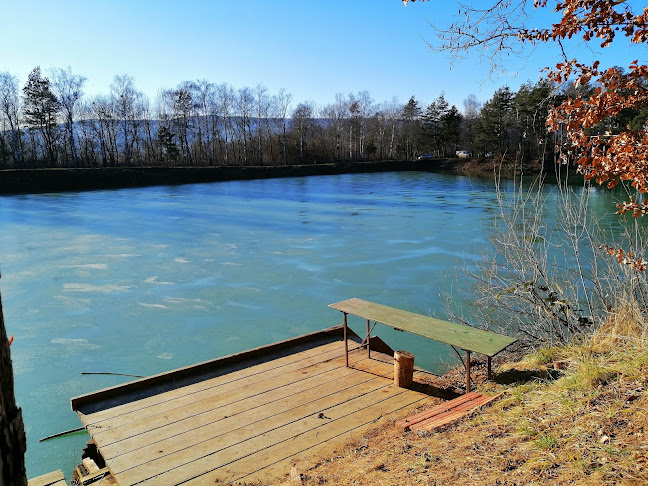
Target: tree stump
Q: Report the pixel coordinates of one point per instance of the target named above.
(403, 369)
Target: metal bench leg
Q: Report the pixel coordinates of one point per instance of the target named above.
(368, 341)
(467, 371)
(346, 344)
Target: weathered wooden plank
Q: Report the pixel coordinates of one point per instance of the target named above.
(54, 478)
(464, 337)
(197, 443)
(281, 438)
(258, 372)
(443, 407)
(223, 413)
(207, 424)
(275, 461)
(137, 389)
(187, 404)
(453, 414)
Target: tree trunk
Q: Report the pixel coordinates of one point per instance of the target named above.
(12, 431)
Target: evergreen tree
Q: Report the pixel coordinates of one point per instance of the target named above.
(41, 109)
(494, 128)
(432, 126)
(411, 119)
(532, 106)
(451, 130)
(169, 147)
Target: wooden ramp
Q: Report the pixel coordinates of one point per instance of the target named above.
(446, 412)
(247, 417)
(54, 478)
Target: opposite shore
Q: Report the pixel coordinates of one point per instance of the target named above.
(20, 181)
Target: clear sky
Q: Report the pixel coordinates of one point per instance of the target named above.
(313, 49)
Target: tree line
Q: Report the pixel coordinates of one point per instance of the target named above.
(51, 122)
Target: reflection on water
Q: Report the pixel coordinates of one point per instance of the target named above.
(140, 281)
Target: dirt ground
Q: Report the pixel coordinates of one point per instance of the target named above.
(581, 419)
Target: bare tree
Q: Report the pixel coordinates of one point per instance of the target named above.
(491, 30)
(545, 275)
(364, 104)
(244, 108)
(102, 111)
(282, 103)
(10, 105)
(336, 115)
(302, 119)
(68, 89)
(471, 113)
(205, 98)
(126, 99)
(391, 112)
(181, 107)
(262, 107)
(226, 100)
(149, 152)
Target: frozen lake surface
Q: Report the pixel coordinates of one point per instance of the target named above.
(141, 281)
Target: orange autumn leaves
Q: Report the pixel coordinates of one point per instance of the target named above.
(612, 156)
(591, 135)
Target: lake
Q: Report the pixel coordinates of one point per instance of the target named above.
(141, 281)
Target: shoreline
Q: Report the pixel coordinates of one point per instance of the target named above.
(33, 181)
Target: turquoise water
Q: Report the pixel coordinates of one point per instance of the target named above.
(141, 281)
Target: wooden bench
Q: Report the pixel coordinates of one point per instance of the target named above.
(468, 338)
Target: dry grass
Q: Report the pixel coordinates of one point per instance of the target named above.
(583, 419)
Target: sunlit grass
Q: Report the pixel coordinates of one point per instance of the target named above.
(584, 423)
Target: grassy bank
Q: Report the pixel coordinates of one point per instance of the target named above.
(569, 415)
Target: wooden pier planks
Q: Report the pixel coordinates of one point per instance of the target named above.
(54, 478)
(257, 419)
(228, 387)
(249, 422)
(446, 412)
(314, 443)
(278, 366)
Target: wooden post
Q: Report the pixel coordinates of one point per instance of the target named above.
(368, 341)
(489, 372)
(403, 369)
(467, 371)
(346, 344)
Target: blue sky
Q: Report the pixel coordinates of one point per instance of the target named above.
(312, 49)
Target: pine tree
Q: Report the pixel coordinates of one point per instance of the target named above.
(494, 129)
(451, 122)
(41, 109)
(411, 117)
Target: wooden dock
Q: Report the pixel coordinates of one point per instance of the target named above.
(55, 478)
(248, 416)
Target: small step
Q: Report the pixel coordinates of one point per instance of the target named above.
(446, 412)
